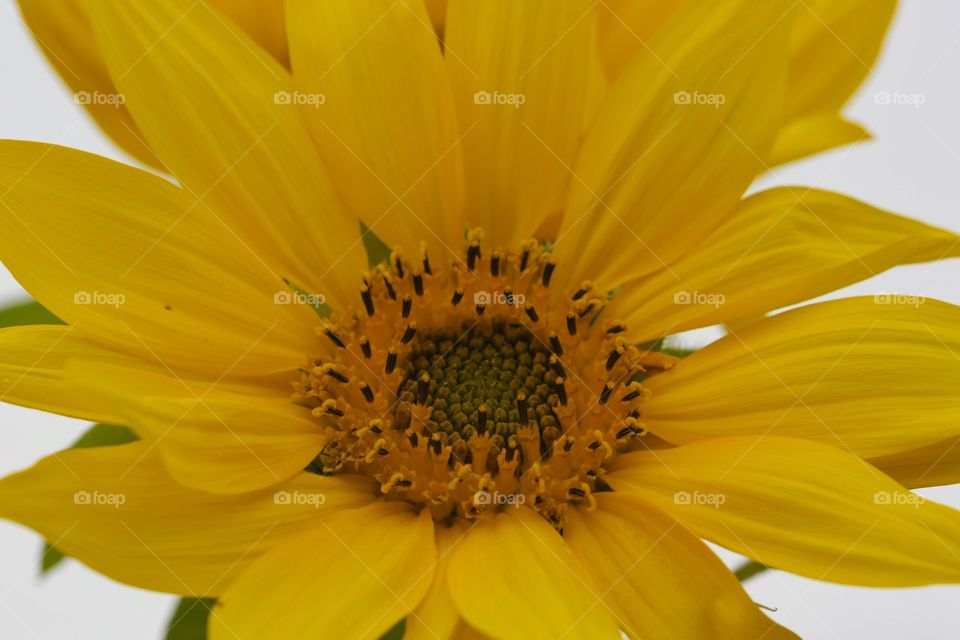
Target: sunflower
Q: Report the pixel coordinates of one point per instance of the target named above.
(463, 261)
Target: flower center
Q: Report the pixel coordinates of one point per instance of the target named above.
(476, 387)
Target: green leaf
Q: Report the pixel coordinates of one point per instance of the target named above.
(189, 619)
(99, 435)
(377, 249)
(24, 313)
(397, 632)
(749, 569)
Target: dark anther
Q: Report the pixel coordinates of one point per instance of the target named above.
(613, 357)
(587, 309)
(617, 328)
(548, 273)
(390, 290)
(423, 388)
(367, 299)
(366, 391)
(522, 407)
(633, 395)
(457, 297)
(605, 394)
(365, 347)
(481, 418)
(418, 283)
(391, 361)
(555, 344)
(532, 314)
(579, 294)
(336, 375)
(374, 427)
(473, 254)
(623, 433)
(334, 338)
(332, 410)
(580, 493)
(561, 390)
(495, 265)
(382, 452)
(408, 333)
(426, 265)
(571, 324)
(634, 414)
(524, 259)
(405, 305)
(403, 483)
(557, 365)
(399, 265)
(481, 308)
(593, 446)
(436, 444)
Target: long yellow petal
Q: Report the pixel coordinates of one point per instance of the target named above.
(514, 577)
(218, 112)
(437, 617)
(118, 511)
(800, 506)
(807, 135)
(211, 438)
(386, 127)
(63, 31)
(872, 375)
(521, 76)
(681, 135)
(930, 466)
(662, 581)
(779, 247)
(354, 575)
(141, 266)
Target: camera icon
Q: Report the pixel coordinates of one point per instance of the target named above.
(482, 297)
(682, 97)
(482, 97)
(282, 497)
(82, 497)
(82, 297)
(81, 97)
(682, 297)
(883, 97)
(282, 297)
(881, 497)
(282, 97)
(882, 298)
(482, 497)
(682, 497)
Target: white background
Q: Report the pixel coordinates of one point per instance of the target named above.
(912, 167)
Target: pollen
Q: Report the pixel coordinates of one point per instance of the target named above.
(477, 386)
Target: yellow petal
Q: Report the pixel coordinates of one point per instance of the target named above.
(521, 76)
(437, 617)
(262, 20)
(141, 266)
(63, 31)
(625, 27)
(680, 137)
(212, 105)
(872, 375)
(514, 577)
(386, 127)
(661, 580)
(930, 466)
(352, 576)
(116, 510)
(807, 135)
(801, 506)
(211, 438)
(834, 45)
(779, 247)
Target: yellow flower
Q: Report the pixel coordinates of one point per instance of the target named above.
(483, 436)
